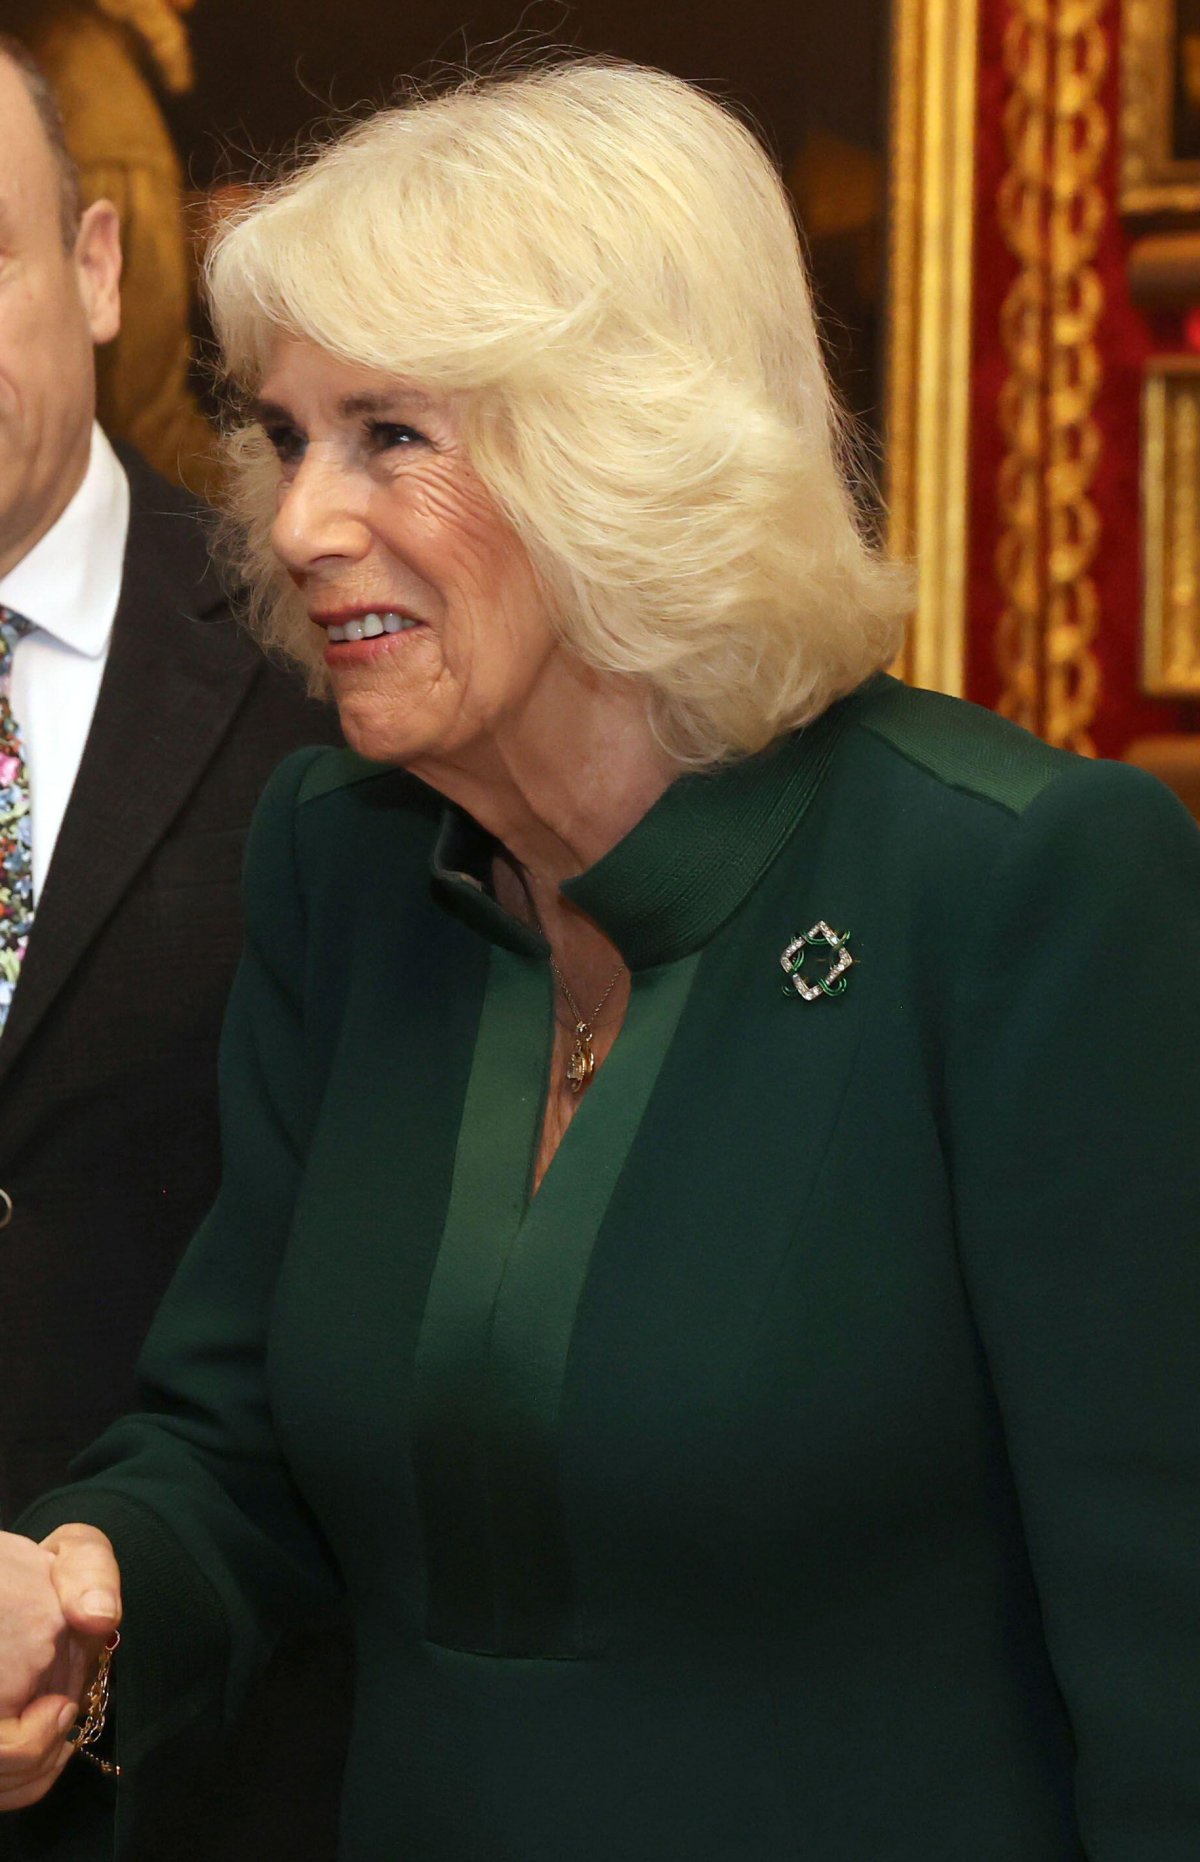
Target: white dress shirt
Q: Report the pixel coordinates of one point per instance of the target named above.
(68, 586)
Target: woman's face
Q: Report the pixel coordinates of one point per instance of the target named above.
(437, 636)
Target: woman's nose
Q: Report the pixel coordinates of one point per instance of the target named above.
(321, 514)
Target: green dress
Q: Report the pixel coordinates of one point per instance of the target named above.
(811, 1469)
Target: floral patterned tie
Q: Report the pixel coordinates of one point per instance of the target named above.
(16, 825)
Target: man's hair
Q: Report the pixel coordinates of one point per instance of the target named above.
(41, 96)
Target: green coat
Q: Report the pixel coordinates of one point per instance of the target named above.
(812, 1468)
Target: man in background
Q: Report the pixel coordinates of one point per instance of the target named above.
(137, 727)
(109, 62)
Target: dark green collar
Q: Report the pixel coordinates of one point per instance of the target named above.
(684, 869)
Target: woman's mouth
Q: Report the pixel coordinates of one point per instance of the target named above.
(370, 626)
(355, 639)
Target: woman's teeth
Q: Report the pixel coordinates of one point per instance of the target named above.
(370, 625)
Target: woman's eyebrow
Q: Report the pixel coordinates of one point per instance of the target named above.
(269, 413)
(350, 408)
(386, 403)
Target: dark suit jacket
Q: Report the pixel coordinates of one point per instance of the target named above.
(108, 1129)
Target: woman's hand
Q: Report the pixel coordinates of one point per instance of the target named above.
(59, 1601)
(34, 1748)
(84, 1572)
(32, 1624)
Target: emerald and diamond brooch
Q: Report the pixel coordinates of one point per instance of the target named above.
(834, 980)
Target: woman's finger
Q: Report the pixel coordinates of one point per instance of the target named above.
(73, 1666)
(34, 1749)
(86, 1577)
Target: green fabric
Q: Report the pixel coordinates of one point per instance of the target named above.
(943, 737)
(488, 1200)
(492, 1358)
(813, 1467)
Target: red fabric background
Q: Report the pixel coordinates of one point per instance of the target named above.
(994, 270)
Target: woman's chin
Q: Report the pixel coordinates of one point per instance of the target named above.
(379, 733)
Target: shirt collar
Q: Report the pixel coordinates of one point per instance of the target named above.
(684, 869)
(70, 581)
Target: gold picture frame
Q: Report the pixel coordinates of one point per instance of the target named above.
(1160, 110)
(1171, 528)
(931, 236)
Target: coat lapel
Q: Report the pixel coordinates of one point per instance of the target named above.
(177, 672)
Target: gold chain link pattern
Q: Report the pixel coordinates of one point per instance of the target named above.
(89, 1727)
(1052, 214)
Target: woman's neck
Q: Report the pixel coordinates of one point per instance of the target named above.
(560, 785)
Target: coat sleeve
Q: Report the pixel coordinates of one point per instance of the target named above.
(218, 1552)
(1074, 1118)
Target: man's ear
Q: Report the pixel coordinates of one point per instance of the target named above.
(98, 265)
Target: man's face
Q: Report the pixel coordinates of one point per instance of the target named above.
(54, 305)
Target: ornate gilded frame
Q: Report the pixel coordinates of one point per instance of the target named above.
(1154, 183)
(931, 219)
(1171, 528)
(1051, 211)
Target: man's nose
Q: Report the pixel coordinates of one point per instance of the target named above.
(321, 514)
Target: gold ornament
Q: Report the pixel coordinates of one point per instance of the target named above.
(1052, 213)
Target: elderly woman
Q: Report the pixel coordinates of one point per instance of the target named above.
(707, 1262)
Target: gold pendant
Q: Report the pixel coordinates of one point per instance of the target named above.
(582, 1063)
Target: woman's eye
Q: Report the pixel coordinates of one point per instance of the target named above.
(287, 444)
(385, 435)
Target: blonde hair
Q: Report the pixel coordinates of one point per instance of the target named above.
(601, 263)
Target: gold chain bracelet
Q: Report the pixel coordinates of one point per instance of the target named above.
(87, 1731)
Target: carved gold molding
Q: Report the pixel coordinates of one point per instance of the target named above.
(1153, 181)
(932, 178)
(1051, 212)
(1171, 509)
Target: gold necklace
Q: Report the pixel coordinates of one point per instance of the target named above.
(581, 1063)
